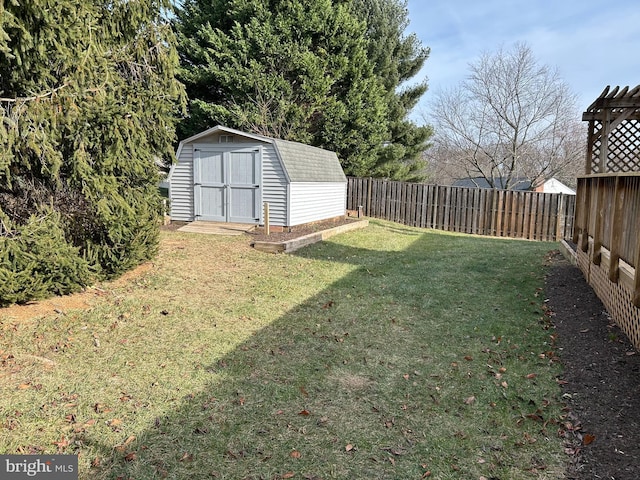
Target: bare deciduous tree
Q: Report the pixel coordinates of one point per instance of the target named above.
(512, 119)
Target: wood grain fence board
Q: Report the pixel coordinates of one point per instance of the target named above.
(434, 208)
(513, 222)
(616, 230)
(499, 212)
(424, 221)
(526, 216)
(423, 206)
(544, 223)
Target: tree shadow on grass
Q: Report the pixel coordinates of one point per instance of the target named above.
(344, 385)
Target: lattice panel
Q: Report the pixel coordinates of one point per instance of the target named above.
(618, 303)
(595, 150)
(624, 147)
(616, 299)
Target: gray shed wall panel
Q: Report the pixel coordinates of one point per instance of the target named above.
(313, 201)
(274, 186)
(181, 187)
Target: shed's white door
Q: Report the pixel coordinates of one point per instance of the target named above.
(227, 185)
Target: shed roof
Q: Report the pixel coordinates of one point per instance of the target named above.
(301, 162)
(305, 163)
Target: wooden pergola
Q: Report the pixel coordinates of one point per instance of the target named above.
(614, 131)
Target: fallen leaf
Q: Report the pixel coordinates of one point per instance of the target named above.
(289, 475)
(468, 358)
(329, 304)
(405, 376)
(588, 439)
(62, 443)
(304, 413)
(504, 384)
(295, 454)
(114, 422)
(470, 400)
(186, 457)
(349, 447)
(531, 376)
(24, 386)
(131, 456)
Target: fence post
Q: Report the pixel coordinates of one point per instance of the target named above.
(560, 221)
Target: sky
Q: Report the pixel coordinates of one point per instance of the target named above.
(591, 43)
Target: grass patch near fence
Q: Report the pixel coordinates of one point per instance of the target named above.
(389, 352)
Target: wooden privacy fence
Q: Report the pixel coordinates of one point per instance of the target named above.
(607, 223)
(480, 211)
(608, 226)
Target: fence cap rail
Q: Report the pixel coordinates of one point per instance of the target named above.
(610, 174)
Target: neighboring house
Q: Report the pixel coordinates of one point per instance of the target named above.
(554, 185)
(226, 175)
(481, 182)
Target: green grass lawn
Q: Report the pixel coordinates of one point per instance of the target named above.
(384, 353)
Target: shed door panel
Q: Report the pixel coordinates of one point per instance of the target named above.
(244, 187)
(209, 186)
(227, 185)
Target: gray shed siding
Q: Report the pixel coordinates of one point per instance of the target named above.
(181, 186)
(313, 201)
(274, 186)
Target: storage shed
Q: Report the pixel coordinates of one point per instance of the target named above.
(225, 175)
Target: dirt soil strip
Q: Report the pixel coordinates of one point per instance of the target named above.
(602, 375)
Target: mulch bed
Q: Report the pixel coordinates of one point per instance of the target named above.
(259, 235)
(601, 380)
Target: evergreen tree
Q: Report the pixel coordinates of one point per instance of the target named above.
(88, 106)
(296, 70)
(397, 58)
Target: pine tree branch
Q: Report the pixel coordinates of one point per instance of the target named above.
(34, 97)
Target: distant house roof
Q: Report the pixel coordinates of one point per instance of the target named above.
(481, 182)
(301, 162)
(553, 185)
